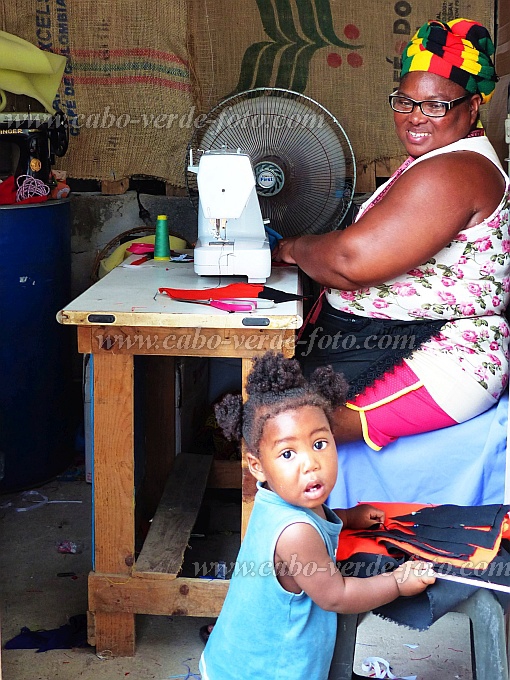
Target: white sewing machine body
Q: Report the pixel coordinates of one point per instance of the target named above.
(231, 236)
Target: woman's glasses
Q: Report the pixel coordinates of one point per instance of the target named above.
(429, 107)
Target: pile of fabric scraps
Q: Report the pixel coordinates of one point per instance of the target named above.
(469, 541)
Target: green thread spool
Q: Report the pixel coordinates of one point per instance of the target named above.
(161, 242)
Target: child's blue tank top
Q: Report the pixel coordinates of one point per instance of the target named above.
(263, 631)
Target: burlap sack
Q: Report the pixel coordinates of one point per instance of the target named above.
(345, 55)
(126, 88)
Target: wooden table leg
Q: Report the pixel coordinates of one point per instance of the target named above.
(114, 491)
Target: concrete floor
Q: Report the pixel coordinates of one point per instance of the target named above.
(33, 595)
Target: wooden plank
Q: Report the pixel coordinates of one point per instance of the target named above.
(84, 339)
(115, 187)
(365, 178)
(111, 593)
(113, 490)
(225, 474)
(201, 342)
(168, 537)
(124, 299)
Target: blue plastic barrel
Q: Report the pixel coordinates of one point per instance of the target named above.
(35, 350)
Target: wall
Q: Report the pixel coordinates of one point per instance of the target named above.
(97, 219)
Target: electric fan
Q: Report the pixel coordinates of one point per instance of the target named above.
(303, 160)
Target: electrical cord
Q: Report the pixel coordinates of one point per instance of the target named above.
(143, 213)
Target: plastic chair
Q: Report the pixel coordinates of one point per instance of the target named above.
(488, 640)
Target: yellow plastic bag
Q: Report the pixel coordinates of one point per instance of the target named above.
(119, 254)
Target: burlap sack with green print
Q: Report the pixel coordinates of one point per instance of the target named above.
(345, 55)
(126, 88)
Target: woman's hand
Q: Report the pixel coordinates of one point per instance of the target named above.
(361, 516)
(283, 251)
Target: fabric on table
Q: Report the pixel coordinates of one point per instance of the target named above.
(421, 611)
(459, 533)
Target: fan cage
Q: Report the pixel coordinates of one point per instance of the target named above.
(302, 140)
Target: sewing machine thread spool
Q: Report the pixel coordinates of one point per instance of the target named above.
(161, 241)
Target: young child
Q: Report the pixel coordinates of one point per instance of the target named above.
(279, 618)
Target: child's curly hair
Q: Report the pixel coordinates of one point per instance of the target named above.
(276, 384)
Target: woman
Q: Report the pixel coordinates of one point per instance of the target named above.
(416, 289)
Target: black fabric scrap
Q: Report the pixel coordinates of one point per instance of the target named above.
(68, 636)
(439, 531)
(436, 535)
(459, 516)
(443, 548)
(268, 293)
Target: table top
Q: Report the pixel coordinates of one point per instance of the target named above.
(128, 296)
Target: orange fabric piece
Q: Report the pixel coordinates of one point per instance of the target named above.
(349, 543)
(229, 292)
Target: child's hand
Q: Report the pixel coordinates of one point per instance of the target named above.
(363, 516)
(413, 577)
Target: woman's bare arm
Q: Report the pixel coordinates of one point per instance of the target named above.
(421, 213)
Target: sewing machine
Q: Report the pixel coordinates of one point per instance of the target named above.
(231, 236)
(30, 142)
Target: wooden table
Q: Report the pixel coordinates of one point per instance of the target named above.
(118, 318)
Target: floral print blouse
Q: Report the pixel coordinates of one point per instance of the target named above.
(468, 283)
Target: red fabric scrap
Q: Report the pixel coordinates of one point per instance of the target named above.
(230, 292)
(8, 194)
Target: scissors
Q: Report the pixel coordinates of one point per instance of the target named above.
(225, 305)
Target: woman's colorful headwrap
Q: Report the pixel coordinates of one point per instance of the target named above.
(459, 50)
